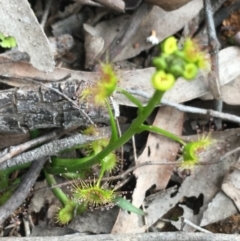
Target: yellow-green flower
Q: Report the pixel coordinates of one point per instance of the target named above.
(162, 81)
(103, 88)
(169, 45)
(193, 54)
(203, 61)
(191, 50)
(107, 83)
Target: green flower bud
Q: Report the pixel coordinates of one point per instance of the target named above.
(176, 70)
(190, 71)
(160, 63)
(179, 54)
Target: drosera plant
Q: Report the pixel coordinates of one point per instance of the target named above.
(172, 63)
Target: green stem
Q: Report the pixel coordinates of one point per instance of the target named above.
(12, 169)
(134, 100)
(100, 176)
(74, 176)
(57, 190)
(114, 129)
(162, 132)
(133, 129)
(69, 162)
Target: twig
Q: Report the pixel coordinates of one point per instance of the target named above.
(122, 183)
(26, 226)
(195, 110)
(134, 148)
(49, 149)
(186, 221)
(46, 12)
(89, 2)
(10, 152)
(229, 153)
(214, 45)
(22, 191)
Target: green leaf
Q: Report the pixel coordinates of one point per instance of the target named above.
(2, 37)
(8, 42)
(126, 205)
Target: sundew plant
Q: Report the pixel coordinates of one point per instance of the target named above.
(172, 63)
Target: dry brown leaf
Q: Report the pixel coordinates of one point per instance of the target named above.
(169, 5)
(158, 148)
(231, 92)
(231, 185)
(117, 5)
(19, 21)
(218, 209)
(93, 45)
(164, 23)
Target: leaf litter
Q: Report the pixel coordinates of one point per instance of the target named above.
(206, 181)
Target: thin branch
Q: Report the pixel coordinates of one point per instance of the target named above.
(46, 12)
(49, 149)
(10, 152)
(89, 2)
(186, 221)
(22, 191)
(214, 45)
(189, 109)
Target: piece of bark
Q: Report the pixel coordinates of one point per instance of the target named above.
(36, 107)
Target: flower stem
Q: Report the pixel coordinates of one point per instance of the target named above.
(57, 190)
(114, 129)
(162, 132)
(133, 129)
(134, 100)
